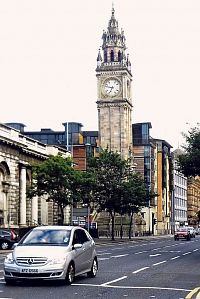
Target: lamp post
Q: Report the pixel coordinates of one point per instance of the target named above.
(87, 151)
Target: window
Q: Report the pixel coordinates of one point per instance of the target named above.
(80, 237)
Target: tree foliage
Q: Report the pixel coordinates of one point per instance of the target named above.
(58, 180)
(189, 162)
(117, 189)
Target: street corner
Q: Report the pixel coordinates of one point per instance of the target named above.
(194, 294)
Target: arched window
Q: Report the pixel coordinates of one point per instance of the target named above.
(112, 56)
(119, 56)
(105, 57)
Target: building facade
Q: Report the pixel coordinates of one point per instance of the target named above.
(193, 201)
(80, 144)
(17, 153)
(179, 200)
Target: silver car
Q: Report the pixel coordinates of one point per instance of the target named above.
(50, 253)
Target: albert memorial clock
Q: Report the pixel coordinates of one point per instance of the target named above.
(114, 101)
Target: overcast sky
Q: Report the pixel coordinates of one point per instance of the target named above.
(48, 51)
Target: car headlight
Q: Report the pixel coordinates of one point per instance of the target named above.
(9, 259)
(57, 260)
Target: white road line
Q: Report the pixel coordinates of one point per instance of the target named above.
(121, 255)
(113, 281)
(129, 287)
(159, 263)
(174, 258)
(140, 252)
(103, 258)
(156, 249)
(117, 248)
(195, 250)
(104, 253)
(157, 254)
(139, 270)
(186, 253)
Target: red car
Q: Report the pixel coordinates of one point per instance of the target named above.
(182, 233)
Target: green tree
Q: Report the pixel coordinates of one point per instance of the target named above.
(109, 171)
(189, 162)
(56, 178)
(135, 195)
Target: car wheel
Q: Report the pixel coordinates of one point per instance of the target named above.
(5, 245)
(94, 268)
(70, 274)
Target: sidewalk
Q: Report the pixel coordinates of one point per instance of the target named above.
(108, 240)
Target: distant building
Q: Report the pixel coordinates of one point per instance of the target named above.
(179, 201)
(79, 143)
(193, 203)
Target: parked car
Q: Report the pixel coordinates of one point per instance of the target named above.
(182, 233)
(52, 253)
(7, 238)
(192, 231)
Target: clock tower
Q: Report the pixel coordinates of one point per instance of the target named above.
(114, 100)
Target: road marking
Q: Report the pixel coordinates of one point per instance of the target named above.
(103, 258)
(157, 254)
(129, 287)
(159, 263)
(176, 257)
(121, 255)
(140, 252)
(193, 292)
(195, 250)
(113, 281)
(104, 253)
(156, 249)
(139, 270)
(186, 253)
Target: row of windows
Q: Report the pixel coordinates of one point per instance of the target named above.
(180, 191)
(180, 214)
(180, 180)
(180, 202)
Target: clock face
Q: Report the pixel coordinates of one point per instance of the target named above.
(111, 87)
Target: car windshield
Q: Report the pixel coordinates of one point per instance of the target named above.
(182, 229)
(44, 237)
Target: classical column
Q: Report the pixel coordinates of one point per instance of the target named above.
(22, 196)
(34, 210)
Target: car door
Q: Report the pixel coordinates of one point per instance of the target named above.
(88, 249)
(81, 255)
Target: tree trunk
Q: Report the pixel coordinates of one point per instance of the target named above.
(121, 227)
(60, 215)
(113, 226)
(130, 225)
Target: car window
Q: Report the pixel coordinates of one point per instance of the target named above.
(54, 237)
(5, 233)
(80, 237)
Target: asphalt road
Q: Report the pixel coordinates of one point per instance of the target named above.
(151, 268)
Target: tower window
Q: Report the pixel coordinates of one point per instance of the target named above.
(119, 56)
(105, 56)
(112, 56)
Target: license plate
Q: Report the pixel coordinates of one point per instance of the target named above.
(29, 270)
